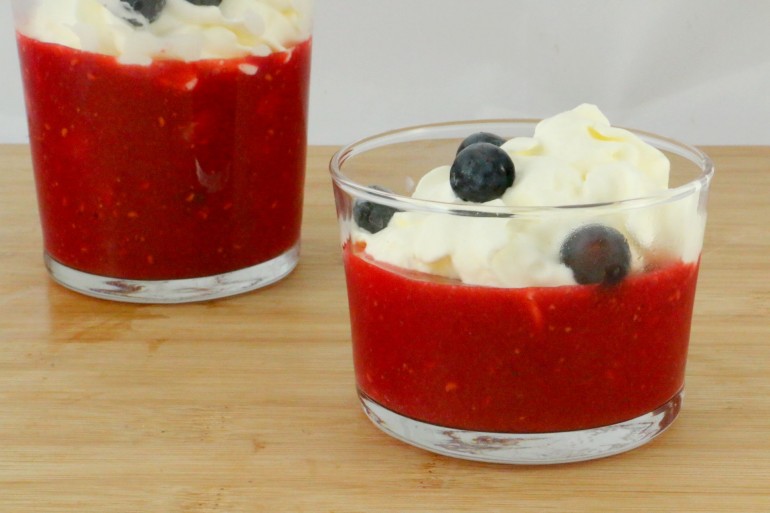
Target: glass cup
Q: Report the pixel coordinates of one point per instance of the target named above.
(165, 173)
(519, 374)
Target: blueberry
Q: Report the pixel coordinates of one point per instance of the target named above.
(372, 217)
(481, 172)
(481, 137)
(596, 254)
(205, 2)
(148, 9)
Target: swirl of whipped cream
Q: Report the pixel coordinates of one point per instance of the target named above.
(183, 31)
(573, 158)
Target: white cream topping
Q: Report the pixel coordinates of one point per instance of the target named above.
(183, 31)
(573, 158)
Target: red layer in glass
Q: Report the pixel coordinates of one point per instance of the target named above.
(172, 170)
(524, 360)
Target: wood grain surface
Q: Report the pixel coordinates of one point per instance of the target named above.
(248, 404)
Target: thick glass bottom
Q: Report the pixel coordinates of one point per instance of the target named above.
(526, 448)
(175, 291)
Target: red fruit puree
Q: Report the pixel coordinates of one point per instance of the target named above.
(172, 170)
(525, 360)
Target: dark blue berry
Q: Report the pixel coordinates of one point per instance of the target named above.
(481, 137)
(481, 172)
(148, 9)
(597, 254)
(205, 2)
(372, 217)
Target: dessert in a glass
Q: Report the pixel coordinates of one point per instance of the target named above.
(528, 300)
(168, 140)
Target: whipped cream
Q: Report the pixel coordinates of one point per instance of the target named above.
(573, 158)
(183, 31)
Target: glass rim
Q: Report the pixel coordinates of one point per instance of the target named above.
(412, 133)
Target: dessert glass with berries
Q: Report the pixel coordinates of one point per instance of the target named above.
(168, 141)
(531, 302)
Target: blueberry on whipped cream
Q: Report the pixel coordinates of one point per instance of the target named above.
(149, 10)
(136, 12)
(372, 217)
(597, 254)
(481, 137)
(481, 172)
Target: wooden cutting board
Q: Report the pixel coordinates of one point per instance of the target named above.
(248, 404)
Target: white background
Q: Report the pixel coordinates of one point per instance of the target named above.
(695, 70)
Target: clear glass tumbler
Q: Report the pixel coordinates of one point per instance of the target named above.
(168, 143)
(519, 374)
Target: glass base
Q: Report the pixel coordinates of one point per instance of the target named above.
(526, 448)
(186, 290)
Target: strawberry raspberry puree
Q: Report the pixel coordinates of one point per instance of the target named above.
(520, 360)
(167, 171)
